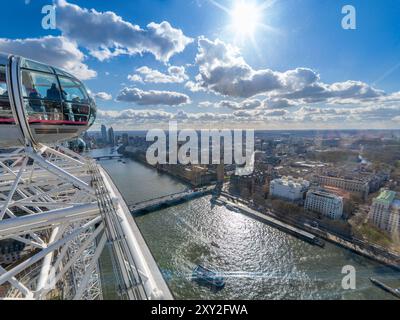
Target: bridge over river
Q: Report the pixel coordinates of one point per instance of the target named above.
(169, 200)
(109, 157)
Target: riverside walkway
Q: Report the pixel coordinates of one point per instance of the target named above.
(304, 235)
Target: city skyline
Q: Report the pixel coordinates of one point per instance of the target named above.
(259, 64)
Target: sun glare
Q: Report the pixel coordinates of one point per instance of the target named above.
(245, 18)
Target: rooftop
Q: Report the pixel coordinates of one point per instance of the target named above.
(386, 197)
(290, 181)
(325, 194)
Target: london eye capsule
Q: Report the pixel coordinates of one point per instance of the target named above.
(40, 103)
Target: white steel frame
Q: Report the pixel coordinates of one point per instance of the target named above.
(65, 208)
(47, 203)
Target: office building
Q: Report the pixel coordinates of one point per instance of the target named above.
(385, 212)
(125, 139)
(328, 204)
(104, 133)
(111, 136)
(352, 185)
(288, 188)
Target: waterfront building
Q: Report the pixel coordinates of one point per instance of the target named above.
(125, 139)
(254, 185)
(196, 175)
(385, 212)
(352, 185)
(288, 188)
(260, 184)
(376, 180)
(111, 137)
(328, 204)
(241, 185)
(104, 133)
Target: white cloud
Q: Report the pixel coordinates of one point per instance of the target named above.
(194, 86)
(56, 51)
(205, 104)
(348, 92)
(260, 115)
(106, 34)
(178, 72)
(227, 104)
(276, 113)
(175, 75)
(298, 78)
(278, 103)
(250, 104)
(244, 105)
(151, 116)
(138, 116)
(222, 70)
(350, 115)
(135, 78)
(248, 114)
(103, 96)
(304, 117)
(152, 97)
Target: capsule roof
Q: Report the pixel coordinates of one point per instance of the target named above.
(34, 65)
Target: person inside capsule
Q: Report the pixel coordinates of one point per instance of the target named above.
(34, 100)
(55, 104)
(52, 94)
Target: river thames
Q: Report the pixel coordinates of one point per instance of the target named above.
(257, 261)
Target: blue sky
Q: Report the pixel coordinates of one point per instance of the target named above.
(269, 64)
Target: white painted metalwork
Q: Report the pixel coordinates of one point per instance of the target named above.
(64, 208)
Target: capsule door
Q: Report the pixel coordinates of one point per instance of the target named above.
(10, 131)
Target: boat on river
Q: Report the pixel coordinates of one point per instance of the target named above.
(207, 276)
(214, 244)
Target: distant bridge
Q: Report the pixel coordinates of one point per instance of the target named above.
(109, 157)
(168, 200)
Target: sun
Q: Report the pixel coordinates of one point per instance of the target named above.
(245, 18)
(248, 19)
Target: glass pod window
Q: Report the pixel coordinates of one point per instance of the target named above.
(76, 100)
(33, 65)
(73, 90)
(42, 95)
(93, 111)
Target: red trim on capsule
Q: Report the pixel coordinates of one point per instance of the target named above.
(7, 120)
(52, 122)
(55, 122)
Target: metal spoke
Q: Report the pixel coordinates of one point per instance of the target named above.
(62, 209)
